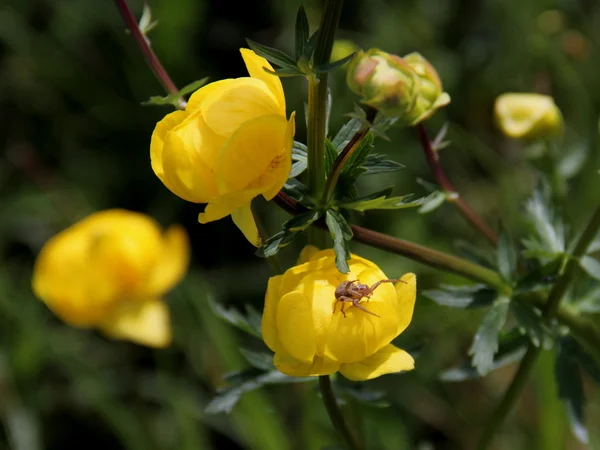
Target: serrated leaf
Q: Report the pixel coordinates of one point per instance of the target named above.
(570, 387)
(146, 24)
(330, 155)
(259, 360)
(346, 133)
(591, 266)
(438, 143)
(432, 202)
(506, 256)
(384, 203)
(272, 55)
(511, 348)
(587, 363)
(276, 242)
(298, 191)
(362, 395)
(302, 32)
(549, 236)
(235, 318)
(375, 164)
(174, 99)
(590, 303)
(224, 402)
(485, 342)
(301, 221)
(540, 277)
(340, 233)
(381, 124)
(469, 296)
(329, 67)
(286, 72)
(353, 167)
(529, 321)
(478, 254)
(594, 246)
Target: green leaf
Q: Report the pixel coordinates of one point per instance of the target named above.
(362, 395)
(286, 72)
(346, 133)
(276, 242)
(476, 253)
(506, 256)
(375, 164)
(174, 99)
(298, 191)
(334, 65)
(330, 155)
(540, 277)
(432, 202)
(225, 401)
(383, 203)
(259, 360)
(302, 32)
(529, 321)
(309, 48)
(301, 221)
(146, 24)
(353, 167)
(381, 124)
(590, 301)
(587, 363)
(570, 387)
(236, 318)
(272, 55)
(594, 246)
(469, 296)
(591, 266)
(548, 239)
(340, 233)
(511, 348)
(485, 343)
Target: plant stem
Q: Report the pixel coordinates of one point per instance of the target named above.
(317, 98)
(144, 45)
(434, 164)
(549, 310)
(334, 413)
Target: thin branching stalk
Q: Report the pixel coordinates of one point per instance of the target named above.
(550, 309)
(433, 161)
(144, 45)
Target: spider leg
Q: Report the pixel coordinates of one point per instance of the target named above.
(372, 288)
(362, 308)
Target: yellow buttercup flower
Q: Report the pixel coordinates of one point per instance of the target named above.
(527, 116)
(231, 144)
(313, 334)
(109, 271)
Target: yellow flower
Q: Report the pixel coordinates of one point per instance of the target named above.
(527, 116)
(310, 335)
(231, 144)
(109, 271)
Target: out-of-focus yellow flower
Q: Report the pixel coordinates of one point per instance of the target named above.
(231, 144)
(309, 333)
(527, 116)
(408, 88)
(109, 271)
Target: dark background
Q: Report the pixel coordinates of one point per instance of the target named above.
(75, 139)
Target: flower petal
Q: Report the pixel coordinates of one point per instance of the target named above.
(244, 220)
(244, 99)
(158, 140)
(172, 264)
(294, 368)
(389, 359)
(406, 293)
(144, 322)
(268, 324)
(226, 204)
(294, 313)
(189, 160)
(254, 151)
(256, 68)
(281, 166)
(306, 253)
(197, 98)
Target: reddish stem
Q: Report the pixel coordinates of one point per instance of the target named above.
(468, 213)
(153, 62)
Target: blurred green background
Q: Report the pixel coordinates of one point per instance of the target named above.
(75, 139)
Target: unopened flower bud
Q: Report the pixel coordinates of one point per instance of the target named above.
(408, 88)
(528, 116)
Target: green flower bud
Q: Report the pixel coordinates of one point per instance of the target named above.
(528, 116)
(408, 88)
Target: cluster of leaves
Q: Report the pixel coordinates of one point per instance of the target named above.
(302, 63)
(530, 275)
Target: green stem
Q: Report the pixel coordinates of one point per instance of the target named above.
(334, 413)
(549, 310)
(317, 98)
(273, 261)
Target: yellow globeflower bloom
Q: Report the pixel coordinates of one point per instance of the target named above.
(231, 144)
(109, 271)
(527, 115)
(313, 333)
